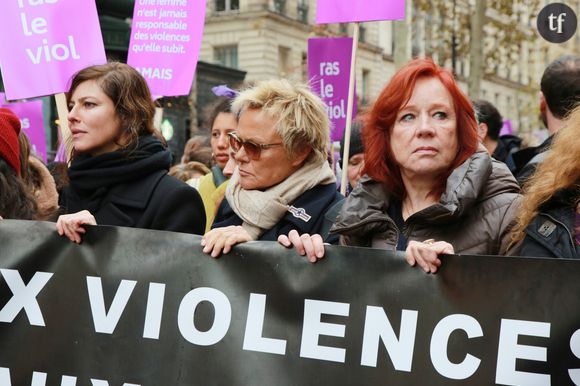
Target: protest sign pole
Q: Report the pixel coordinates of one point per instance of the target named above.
(346, 149)
(62, 109)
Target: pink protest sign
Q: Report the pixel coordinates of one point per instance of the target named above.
(506, 128)
(45, 42)
(165, 41)
(344, 11)
(329, 71)
(30, 114)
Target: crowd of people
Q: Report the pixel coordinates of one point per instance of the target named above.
(428, 171)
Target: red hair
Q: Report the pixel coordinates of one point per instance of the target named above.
(380, 163)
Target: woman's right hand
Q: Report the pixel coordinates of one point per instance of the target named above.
(311, 246)
(426, 254)
(71, 225)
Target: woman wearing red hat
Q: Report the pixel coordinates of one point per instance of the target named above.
(118, 175)
(15, 200)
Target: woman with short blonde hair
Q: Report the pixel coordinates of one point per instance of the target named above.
(282, 181)
(301, 118)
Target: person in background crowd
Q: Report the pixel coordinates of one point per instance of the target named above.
(355, 155)
(190, 172)
(560, 92)
(212, 186)
(118, 175)
(489, 124)
(549, 219)
(59, 172)
(16, 201)
(197, 149)
(38, 180)
(282, 182)
(428, 188)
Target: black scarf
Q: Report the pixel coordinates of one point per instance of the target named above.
(92, 177)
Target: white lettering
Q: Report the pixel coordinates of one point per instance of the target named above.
(253, 339)
(39, 379)
(575, 347)
(154, 310)
(509, 351)
(313, 327)
(24, 296)
(400, 350)
(222, 317)
(107, 322)
(440, 341)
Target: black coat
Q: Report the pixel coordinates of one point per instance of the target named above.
(134, 191)
(507, 145)
(319, 208)
(527, 160)
(551, 232)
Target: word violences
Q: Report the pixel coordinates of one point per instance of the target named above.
(377, 328)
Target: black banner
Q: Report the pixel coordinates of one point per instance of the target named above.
(137, 307)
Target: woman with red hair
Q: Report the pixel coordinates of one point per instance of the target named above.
(426, 178)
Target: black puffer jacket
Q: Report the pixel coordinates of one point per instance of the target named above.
(134, 190)
(474, 214)
(551, 232)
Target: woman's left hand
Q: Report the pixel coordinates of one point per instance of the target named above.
(426, 254)
(221, 240)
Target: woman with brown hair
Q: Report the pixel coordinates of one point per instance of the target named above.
(549, 220)
(38, 180)
(118, 175)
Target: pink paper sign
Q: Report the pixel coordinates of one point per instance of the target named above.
(165, 42)
(32, 123)
(329, 72)
(45, 42)
(344, 11)
(507, 128)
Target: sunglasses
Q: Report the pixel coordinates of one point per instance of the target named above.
(252, 149)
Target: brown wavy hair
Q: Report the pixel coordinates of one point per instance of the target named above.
(380, 163)
(559, 170)
(130, 95)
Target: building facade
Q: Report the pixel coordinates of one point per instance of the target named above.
(268, 39)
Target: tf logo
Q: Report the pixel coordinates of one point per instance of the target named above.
(557, 22)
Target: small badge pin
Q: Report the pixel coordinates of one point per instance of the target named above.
(299, 213)
(546, 228)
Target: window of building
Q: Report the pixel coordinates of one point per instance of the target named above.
(283, 61)
(280, 6)
(303, 11)
(226, 56)
(366, 86)
(304, 65)
(362, 33)
(343, 29)
(227, 5)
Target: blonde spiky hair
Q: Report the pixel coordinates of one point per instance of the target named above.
(300, 115)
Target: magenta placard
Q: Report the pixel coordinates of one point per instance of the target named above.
(507, 128)
(32, 123)
(165, 42)
(45, 42)
(329, 71)
(344, 11)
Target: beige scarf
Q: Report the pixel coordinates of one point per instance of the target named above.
(261, 210)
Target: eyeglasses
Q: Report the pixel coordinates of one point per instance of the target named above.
(253, 150)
